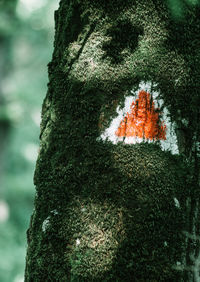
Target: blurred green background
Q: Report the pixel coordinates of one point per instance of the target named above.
(26, 45)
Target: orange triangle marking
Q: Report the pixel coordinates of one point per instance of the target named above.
(143, 121)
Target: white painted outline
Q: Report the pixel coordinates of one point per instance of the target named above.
(171, 140)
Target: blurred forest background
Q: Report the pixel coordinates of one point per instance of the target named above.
(26, 45)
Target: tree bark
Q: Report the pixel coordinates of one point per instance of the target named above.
(103, 211)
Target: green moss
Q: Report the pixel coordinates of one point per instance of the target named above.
(115, 215)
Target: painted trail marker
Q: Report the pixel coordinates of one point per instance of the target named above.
(143, 119)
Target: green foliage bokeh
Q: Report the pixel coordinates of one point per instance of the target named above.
(26, 42)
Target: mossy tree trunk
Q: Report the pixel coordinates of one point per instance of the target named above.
(103, 211)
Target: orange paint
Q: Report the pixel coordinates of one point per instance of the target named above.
(143, 121)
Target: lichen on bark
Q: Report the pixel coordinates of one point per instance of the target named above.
(106, 212)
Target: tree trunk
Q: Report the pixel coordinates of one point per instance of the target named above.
(111, 211)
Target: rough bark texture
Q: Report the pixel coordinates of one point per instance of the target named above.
(106, 212)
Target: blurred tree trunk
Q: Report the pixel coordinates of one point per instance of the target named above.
(7, 14)
(116, 212)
